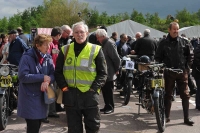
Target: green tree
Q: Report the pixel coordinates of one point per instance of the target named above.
(60, 12)
(4, 25)
(186, 18)
(198, 15)
(103, 18)
(14, 21)
(94, 18)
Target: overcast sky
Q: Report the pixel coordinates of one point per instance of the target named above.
(163, 7)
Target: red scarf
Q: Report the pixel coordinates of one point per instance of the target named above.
(39, 57)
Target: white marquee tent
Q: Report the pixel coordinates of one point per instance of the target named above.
(191, 31)
(130, 27)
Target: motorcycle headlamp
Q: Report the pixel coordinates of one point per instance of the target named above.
(4, 70)
(155, 69)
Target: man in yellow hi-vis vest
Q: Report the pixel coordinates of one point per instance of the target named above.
(80, 72)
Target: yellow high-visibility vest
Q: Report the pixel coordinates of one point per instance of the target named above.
(80, 71)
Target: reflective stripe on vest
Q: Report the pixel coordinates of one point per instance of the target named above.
(89, 69)
(80, 71)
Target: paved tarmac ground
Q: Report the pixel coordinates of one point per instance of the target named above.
(125, 119)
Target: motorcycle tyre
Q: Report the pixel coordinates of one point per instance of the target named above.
(159, 119)
(127, 91)
(3, 111)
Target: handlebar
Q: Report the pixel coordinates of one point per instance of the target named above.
(174, 70)
(154, 65)
(133, 56)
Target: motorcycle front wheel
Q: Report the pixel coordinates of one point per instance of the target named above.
(127, 91)
(3, 111)
(160, 111)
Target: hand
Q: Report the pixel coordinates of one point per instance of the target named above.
(65, 89)
(44, 86)
(132, 51)
(5, 62)
(117, 73)
(47, 79)
(91, 90)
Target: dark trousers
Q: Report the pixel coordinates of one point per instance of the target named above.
(107, 91)
(91, 120)
(181, 80)
(33, 126)
(198, 93)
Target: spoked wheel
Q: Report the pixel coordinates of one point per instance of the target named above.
(127, 91)
(160, 111)
(3, 112)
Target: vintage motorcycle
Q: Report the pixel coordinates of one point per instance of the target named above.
(151, 91)
(124, 78)
(8, 92)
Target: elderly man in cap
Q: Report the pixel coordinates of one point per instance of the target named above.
(22, 36)
(16, 49)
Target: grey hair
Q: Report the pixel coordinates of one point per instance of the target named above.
(80, 23)
(138, 34)
(101, 32)
(65, 27)
(146, 31)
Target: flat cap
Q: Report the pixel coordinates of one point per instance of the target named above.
(19, 29)
(12, 32)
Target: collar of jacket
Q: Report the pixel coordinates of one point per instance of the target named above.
(104, 41)
(170, 39)
(78, 47)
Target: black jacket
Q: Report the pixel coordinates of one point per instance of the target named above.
(146, 46)
(120, 49)
(93, 39)
(100, 62)
(64, 41)
(196, 63)
(176, 53)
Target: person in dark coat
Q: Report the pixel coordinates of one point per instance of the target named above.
(33, 83)
(146, 46)
(196, 74)
(123, 48)
(176, 53)
(113, 64)
(16, 49)
(138, 35)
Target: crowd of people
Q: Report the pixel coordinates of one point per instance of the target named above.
(82, 65)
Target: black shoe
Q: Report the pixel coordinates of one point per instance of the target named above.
(45, 120)
(188, 122)
(167, 120)
(60, 109)
(193, 91)
(108, 111)
(54, 115)
(102, 110)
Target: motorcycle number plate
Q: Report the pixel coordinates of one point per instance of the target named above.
(130, 65)
(6, 81)
(157, 83)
